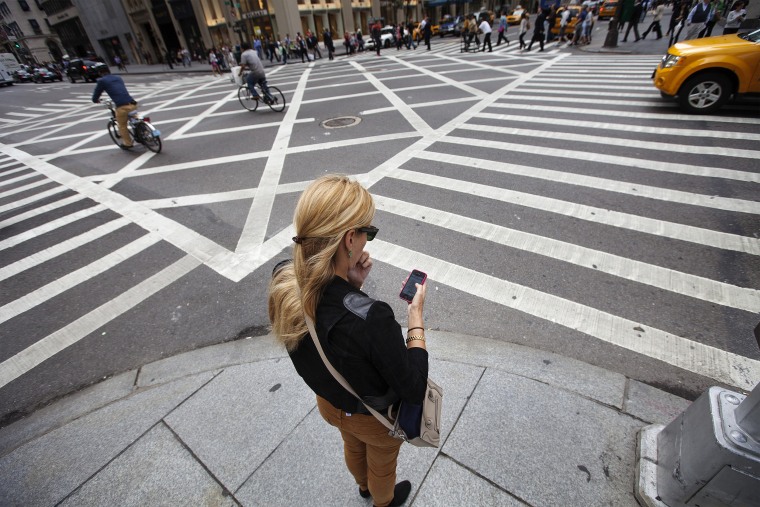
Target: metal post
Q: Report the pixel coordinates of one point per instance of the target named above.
(611, 41)
(709, 456)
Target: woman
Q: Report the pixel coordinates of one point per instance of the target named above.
(735, 18)
(360, 336)
(524, 27)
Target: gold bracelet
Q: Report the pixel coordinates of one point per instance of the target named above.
(413, 337)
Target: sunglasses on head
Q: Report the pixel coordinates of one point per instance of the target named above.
(371, 231)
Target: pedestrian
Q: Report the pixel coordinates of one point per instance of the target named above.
(735, 18)
(257, 46)
(375, 33)
(485, 27)
(680, 23)
(186, 58)
(655, 25)
(713, 18)
(410, 42)
(466, 25)
(315, 45)
(359, 41)
(674, 17)
(538, 30)
(328, 40)
(168, 58)
(587, 26)
(301, 47)
(564, 18)
(633, 22)
(212, 60)
(502, 29)
(697, 19)
(427, 31)
(524, 27)
(551, 20)
(360, 336)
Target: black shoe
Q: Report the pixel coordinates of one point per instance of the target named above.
(364, 494)
(400, 493)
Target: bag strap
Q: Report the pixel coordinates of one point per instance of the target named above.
(341, 380)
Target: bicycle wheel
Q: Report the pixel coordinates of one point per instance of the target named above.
(248, 102)
(278, 99)
(113, 131)
(145, 137)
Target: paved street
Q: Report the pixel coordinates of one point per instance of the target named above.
(554, 199)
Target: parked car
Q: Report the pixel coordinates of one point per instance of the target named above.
(56, 71)
(42, 74)
(702, 74)
(88, 70)
(608, 9)
(23, 76)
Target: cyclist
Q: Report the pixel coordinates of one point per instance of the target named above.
(116, 89)
(249, 59)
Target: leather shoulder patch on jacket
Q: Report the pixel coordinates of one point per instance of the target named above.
(358, 304)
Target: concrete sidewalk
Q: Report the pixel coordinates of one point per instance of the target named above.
(234, 424)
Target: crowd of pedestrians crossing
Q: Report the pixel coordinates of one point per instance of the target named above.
(690, 18)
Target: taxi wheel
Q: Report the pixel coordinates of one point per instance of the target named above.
(704, 93)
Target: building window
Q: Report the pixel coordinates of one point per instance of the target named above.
(24, 6)
(35, 26)
(16, 30)
(4, 10)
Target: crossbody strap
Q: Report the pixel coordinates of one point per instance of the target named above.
(341, 380)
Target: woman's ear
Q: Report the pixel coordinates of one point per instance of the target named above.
(348, 239)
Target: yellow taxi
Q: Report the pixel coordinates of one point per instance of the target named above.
(575, 11)
(513, 18)
(704, 73)
(417, 33)
(608, 9)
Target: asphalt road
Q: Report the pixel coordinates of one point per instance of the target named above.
(554, 199)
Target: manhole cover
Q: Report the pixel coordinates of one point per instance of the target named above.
(341, 122)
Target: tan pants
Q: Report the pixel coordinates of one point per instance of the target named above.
(122, 113)
(370, 453)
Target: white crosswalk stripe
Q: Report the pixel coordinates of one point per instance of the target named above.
(568, 139)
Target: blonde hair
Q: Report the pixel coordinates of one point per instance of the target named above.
(329, 207)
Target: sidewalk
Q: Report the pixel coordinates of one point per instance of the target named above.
(235, 423)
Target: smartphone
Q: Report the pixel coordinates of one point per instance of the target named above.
(409, 290)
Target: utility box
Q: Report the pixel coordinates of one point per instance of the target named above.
(706, 459)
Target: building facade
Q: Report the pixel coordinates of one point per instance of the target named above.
(25, 32)
(92, 28)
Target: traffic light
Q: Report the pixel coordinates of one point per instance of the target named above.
(17, 45)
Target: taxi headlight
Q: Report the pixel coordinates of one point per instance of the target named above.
(669, 61)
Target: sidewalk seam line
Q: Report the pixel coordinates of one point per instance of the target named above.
(225, 490)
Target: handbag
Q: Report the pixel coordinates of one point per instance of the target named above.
(419, 425)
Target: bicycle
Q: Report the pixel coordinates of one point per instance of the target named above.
(274, 99)
(139, 127)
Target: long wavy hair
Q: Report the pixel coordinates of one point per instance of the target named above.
(331, 206)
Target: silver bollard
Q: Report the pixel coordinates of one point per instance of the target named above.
(709, 456)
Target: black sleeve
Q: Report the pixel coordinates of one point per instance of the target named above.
(404, 370)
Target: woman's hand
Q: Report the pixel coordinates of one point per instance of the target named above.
(360, 270)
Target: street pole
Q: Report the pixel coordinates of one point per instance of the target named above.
(710, 454)
(611, 41)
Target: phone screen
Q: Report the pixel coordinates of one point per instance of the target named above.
(409, 290)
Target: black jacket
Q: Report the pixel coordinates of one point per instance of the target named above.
(363, 341)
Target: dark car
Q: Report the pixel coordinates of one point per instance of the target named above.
(88, 70)
(23, 76)
(43, 74)
(451, 26)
